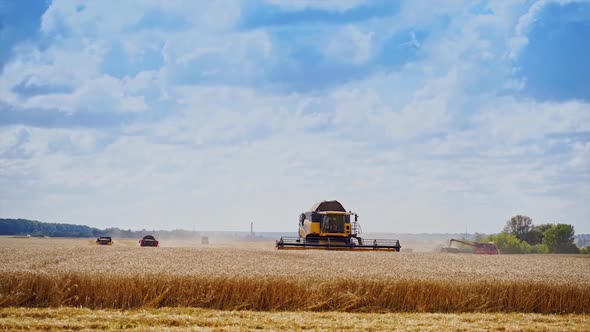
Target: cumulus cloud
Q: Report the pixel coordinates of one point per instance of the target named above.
(441, 136)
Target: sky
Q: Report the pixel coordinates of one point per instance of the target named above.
(209, 115)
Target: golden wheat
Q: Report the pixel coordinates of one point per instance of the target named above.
(268, 262)
(266, 279)
(282, 293)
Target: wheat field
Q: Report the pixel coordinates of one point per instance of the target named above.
(76, 273)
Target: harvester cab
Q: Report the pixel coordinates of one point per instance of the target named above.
(329, 226)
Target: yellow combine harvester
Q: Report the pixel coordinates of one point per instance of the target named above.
(329, 226)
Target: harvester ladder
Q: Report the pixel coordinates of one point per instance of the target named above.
(356, 228)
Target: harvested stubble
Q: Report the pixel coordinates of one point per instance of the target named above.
(195, 319)
(265, 279)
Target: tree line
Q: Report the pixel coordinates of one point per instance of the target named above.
(521, 236)
(24, 227)
(37, 228)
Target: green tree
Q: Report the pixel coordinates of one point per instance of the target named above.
(537, 249)
(519, 226)
(509, 244)
(535, 236)
(560, 239)
(543, 227)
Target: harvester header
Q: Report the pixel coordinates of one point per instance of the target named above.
(329, 226)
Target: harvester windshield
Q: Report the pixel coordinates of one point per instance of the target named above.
(333, 223)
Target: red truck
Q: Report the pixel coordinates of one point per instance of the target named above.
(149, 241)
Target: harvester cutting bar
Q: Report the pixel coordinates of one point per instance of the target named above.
(294, 243)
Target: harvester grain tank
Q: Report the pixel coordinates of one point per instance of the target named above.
(328, 226)
(477, 247)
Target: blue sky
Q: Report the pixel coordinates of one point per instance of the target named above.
(212, 114)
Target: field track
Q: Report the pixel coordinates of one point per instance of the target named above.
(78, 273)
(191, 319)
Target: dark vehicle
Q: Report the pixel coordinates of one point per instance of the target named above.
(104, 241)
(149, 241)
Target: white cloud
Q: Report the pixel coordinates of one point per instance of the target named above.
(98, 19)
(350, 45)
(216, 149)
(431, 141)
(204, 48)
(518, 122)
(520, 40)
(339, 5)
(61, 65)
(580, 161)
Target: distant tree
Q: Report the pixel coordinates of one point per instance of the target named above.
(508, 244)
(536, 234)
(36, 228)
(520, 227)
(17, 226)
(537, 249)
(543, 227)
(560, 239)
